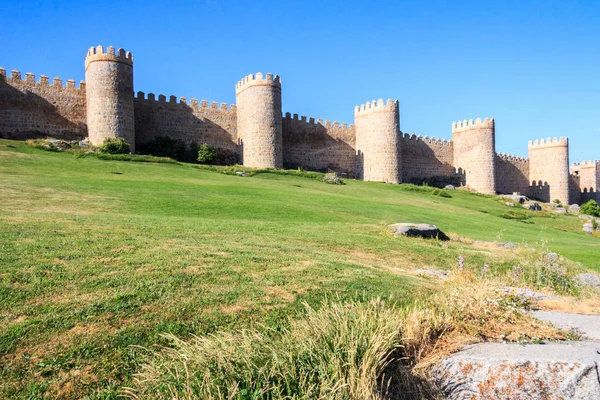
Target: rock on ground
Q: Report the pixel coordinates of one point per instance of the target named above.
(588, 227)
(527, 293)
(419, 230)
(516, 198)
(560, 210)
(586, 325)
(533, 207)
(519, 372)
(587, 279)
(574, 208)
(433, 272)
(449, 187)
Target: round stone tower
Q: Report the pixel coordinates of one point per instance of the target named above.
(475, 153)
(109, 95)
(377, 127)
(259, 126)
(549, 164)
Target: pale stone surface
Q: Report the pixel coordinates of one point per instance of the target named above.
(560, 210)
(588, 227)
(588, 279)
(549, 166)
(259, 120)
(586, 325)
(527, 293)
(474, 153)
(378, 141)
(574, 208)
(517, 372)
(419, 230)
(109, 95)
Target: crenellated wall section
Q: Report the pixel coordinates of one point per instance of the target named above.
(256, 133)
(196, 122)
(549, 165)
(475, 154)
(318, 145)
(33, 109)
(512, 174)
(585, 176)
(426, 159)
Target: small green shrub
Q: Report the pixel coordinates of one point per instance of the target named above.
(425, 188)
(516, 214)
(591, 208)
(441, 193)
(115, 146)
(206, 154)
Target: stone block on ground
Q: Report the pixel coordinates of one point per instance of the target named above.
(533, 207)
(588, 280)
(419, 230)
(588, 227)
(518, 372)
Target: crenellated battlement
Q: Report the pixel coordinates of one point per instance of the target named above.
(468, 125)
(376, 106)
(98, 54)
(151, 98)
(319, 121)
(585, 164)
(549, 142)
(510, 157)
(426, 139)
(258, 80)
(30, 79)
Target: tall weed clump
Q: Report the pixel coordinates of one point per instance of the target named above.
(340, 351)
(542, 269)
(343, 350)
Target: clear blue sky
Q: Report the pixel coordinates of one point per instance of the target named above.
(533, 65)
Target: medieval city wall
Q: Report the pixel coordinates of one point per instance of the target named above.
(587, 177)
(549, 165)
(474, 153)
(512, 174)
(319, 145)
(34, 109)
(427, 159)
(197, 122)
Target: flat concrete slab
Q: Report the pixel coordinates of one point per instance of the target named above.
(586, 325)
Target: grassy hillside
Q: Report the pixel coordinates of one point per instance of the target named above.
(96, 256)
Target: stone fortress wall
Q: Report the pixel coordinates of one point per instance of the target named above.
(378, 141)
(30, 108)
(475, 152)
(256, 132)
(109, 95)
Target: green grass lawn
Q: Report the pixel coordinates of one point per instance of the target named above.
(97, 256)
